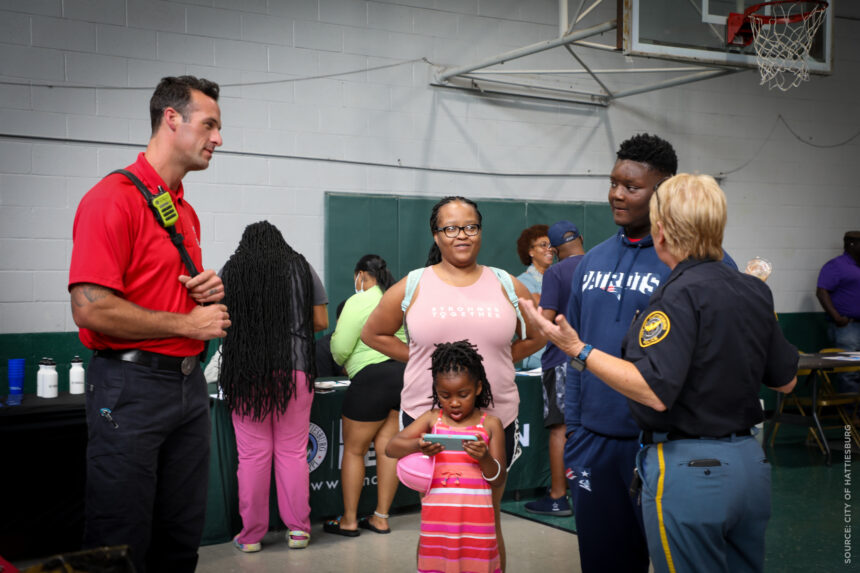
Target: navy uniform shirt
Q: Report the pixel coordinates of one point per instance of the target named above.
(704, 344)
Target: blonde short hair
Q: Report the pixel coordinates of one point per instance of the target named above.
(692, 211)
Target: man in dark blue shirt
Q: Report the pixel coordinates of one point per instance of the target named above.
(694, 361)
(566, 239)
(610, 286)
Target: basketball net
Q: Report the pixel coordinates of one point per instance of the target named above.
(782, 41)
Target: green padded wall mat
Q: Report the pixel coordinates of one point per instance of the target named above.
(398, 229)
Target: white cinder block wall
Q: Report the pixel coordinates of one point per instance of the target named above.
(291, 139)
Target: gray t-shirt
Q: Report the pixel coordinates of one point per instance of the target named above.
(318, 296)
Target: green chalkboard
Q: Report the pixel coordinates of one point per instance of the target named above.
(397, 228)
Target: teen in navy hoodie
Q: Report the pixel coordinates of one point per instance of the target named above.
(612, 283)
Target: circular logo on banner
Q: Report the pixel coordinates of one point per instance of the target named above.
(317, 447)
(655, 327)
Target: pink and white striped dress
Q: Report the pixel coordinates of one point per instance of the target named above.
(458, 527)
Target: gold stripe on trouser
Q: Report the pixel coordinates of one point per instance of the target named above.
(664, 540)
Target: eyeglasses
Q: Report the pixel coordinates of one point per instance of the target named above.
(453, 231)
(544, 245)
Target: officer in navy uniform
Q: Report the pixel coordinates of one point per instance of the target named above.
(693, 363)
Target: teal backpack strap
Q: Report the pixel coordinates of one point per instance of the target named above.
(508, 285)
(412, 280)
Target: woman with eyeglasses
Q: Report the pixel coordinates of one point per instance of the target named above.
(537, 254)
(456, 298)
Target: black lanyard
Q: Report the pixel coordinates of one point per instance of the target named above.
(176, 238)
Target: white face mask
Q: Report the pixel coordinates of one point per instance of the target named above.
(357, 289)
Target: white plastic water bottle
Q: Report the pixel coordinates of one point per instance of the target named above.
(51, 379)
(76, 376)
(40, 377)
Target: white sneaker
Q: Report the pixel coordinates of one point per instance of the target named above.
(246, 547)
(298, 539)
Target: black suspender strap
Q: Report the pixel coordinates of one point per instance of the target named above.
(166, 215)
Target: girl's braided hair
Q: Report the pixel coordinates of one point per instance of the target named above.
(461, 356)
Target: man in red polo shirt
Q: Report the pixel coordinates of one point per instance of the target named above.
(144, 317)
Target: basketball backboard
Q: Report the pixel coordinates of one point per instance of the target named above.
(695, 31)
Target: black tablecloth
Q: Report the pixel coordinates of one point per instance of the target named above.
(43, 476)
(44, 470)
(324, 451)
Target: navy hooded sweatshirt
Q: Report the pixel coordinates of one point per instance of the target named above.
(613, 282)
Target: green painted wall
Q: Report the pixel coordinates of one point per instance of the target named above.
(806, 330)
(61, 346)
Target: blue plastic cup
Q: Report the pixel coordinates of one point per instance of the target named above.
(16, 365)
(16, 381)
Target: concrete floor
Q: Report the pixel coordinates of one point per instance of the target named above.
(531, 547)
(805, 533)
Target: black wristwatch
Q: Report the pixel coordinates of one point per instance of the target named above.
(578, 362)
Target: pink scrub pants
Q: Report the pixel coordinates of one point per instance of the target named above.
(282, 438)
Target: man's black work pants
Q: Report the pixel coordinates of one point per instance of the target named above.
(147, 463)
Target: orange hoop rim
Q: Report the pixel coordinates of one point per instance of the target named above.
(750, 13)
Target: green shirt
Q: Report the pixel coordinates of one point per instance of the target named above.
(346, 346)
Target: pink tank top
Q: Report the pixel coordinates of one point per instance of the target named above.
(480, 313)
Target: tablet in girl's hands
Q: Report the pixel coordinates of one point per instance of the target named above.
(450, 441)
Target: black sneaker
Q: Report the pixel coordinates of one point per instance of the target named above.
(550, 506)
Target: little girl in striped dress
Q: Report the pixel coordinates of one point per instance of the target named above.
(458, 532)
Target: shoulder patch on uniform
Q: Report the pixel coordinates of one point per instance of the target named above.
(655, 327)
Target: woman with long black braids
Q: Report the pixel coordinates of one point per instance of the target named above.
(267, 373)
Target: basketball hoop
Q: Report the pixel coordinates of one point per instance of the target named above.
(781, 38)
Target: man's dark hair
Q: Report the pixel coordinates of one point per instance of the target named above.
(175, 92)
(651, 150)
(461, 356)
(269, 289)
(435, 256)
